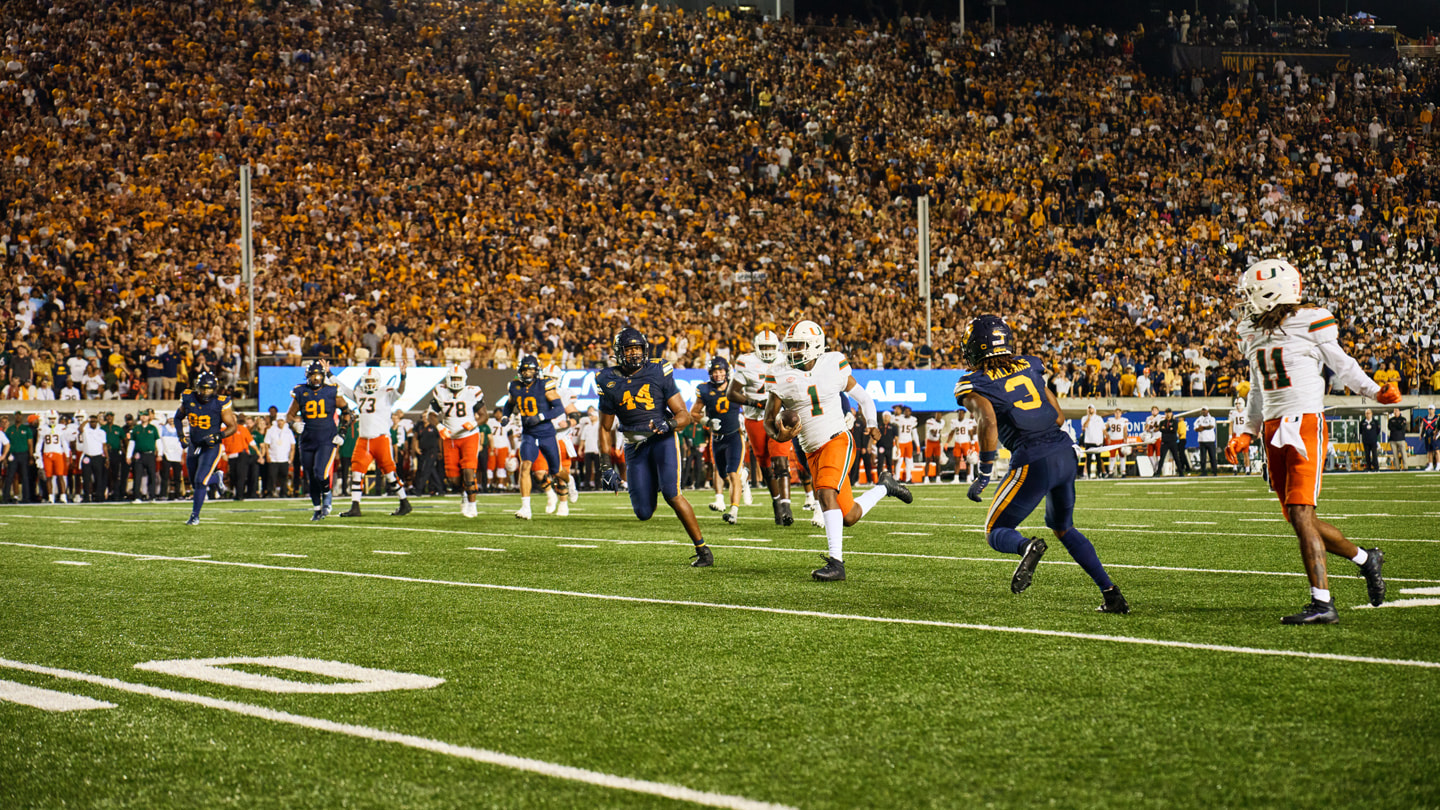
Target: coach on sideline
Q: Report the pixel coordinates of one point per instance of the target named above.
(1205, 434)
(1092, 433)
(1370, 440)
(1398, 425)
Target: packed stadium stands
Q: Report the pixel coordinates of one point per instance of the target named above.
(481, 180)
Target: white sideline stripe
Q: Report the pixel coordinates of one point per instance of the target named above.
(1404, 603)
(47, 699)
(480, 548)
(295, 556)
(911, 534)
(1421, 591)
(398, 553)
(677, 792)
(813, 614)
(572, 545)
(70, 562)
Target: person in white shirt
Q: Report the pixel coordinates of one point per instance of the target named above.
(54, 456)
(92, 459)
(963, 445)
(1117, 428)
(905, 423)
(1237, 425)
(69, 392)
(171, 461)
(1092, 435)
(280, 454)
(589, 448)
(1205, 435)
(1142, 385)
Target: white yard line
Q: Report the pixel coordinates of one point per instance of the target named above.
(845, 617)
(397, 553)
(479, 548)
(48, 699)
(294, 556)
(551, 769)
(572, 545)
(70, 562)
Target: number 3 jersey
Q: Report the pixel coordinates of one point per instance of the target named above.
(1028, 424)
(457, 409)
(815, 394)
(1285, 366)
(637, 399)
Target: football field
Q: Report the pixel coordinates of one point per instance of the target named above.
(260, 660)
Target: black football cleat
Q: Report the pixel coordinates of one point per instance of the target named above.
(405, 509)
(729, 517)
(1374, 583)
(353, 511)
(785, 518)
(703, 557)
(193, 521)
(833, 571)
(1029, 559)
(1114, 601)
(894, 488)
(1316, 612)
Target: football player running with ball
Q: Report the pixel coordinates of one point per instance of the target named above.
(1287, 344)
(641, 394)
(1012, 405)
(811, 386)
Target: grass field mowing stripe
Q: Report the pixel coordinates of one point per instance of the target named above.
(677, 792)
(990, 628)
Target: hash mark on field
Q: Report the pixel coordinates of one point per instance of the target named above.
(1031, 631)
(912, 534)
(47, 699)
(294, 556)
(70, 562)
(669, 791)
(1127, 525)
(1421, 591)
(479, 548)
(398, 553)
(749, 539)
(1194, 523)
(1403, 603)
(572, 545)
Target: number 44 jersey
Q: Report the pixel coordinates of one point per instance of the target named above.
(637, 399)
(1285, 365)
(1029, 426)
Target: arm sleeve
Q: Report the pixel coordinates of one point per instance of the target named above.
(862, 398)
(435, 405)
(346, 391)
(554, 409)
(1255, 406)
(1347, 371)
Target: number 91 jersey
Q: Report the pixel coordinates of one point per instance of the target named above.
(1026, 421)
(815, 394)
(457, 409)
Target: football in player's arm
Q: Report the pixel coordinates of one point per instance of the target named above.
(1287, 344)
(642, 397)
(320, 405)
(810, 386)
(208, 418)
(1012, 404)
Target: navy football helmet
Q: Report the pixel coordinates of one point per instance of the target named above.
(629, 349)
(206, 385)
(315, 375)
(988, 336)
(529, 368)
(719, 370)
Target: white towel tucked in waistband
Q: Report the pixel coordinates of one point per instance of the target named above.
(1288, 435)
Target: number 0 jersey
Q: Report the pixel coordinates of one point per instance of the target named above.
(718, 406)
(639, 398)
(1285, 366)
(815, 394)
(1028, 425)
(202, 418)
(457, 409)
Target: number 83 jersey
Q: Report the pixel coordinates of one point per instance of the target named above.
(1027, 423)
(815, 394)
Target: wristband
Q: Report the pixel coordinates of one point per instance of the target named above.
(988, 456)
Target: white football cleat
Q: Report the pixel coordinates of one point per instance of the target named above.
(816, 520)
(719, 504)
(551, 501)
(523, 513)
(469, 509)
(573, 494)
(563, 510)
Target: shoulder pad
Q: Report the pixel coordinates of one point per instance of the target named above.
(1323, 322)
(551, 385)
(223, 400)
(666, 367)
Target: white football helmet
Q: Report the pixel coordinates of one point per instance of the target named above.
(1269, 283)
(455, 378)
(767, 346)
(1239, 403)
(804, 343)
(370, 382)
(52, 418)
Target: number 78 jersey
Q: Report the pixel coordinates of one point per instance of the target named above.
(815, 394)
(457, 409)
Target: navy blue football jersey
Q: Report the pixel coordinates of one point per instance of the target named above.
(1027, 422)
(530, 399)
(637, 399)
(318, 408)
(718, 406)
(202, 418)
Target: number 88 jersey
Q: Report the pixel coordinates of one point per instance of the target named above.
(457, 409)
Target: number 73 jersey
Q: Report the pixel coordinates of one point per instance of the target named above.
(815, 394)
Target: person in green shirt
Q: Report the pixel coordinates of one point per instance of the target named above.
(487, 440)
(115, 456)
(144, 442)
(351, 434)
(20, 467)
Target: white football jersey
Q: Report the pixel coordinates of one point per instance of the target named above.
(374, 409)
(932, 430)
(965, 430)
(53, 439)
(1116, 428)
(815, 394)
(751, 371)
(457, 409)
(905, 427)
(1238, 421)
(1285, 366)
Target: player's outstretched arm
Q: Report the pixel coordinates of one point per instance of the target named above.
(1349, 372)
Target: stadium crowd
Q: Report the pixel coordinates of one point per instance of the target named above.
(471, 181)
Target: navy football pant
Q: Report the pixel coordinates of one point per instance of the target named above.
(653, 468)
(1053, 479)
(202, 465)
(532, 447)
(318, 462)
(729, 452)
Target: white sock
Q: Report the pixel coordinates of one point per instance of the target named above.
(525, 502)
(835, 533)
(734, 510)
(785, 501)
(1361, 556)
(869, 498)
(402, 493)
(1320, 594)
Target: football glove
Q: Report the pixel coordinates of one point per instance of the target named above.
(210, 441)
(982, 475)
(715, 425)
(531, 421)
(338, 440)
(1238, 444)
(660, 427)
(609, 478)
(1389, 394)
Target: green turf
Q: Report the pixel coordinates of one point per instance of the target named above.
(801, 710)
